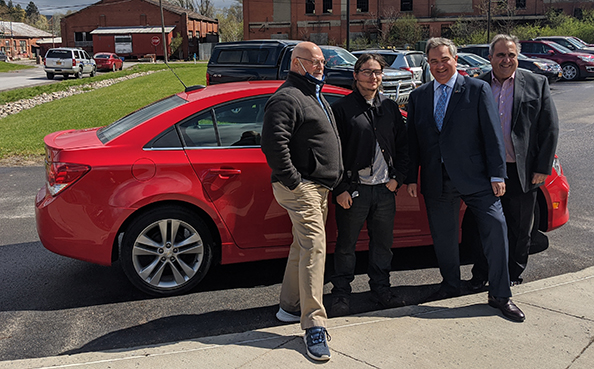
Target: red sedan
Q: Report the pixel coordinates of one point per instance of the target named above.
(107, 61)
(182, 184)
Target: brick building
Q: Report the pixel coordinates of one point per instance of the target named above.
(131, 27)
(324, 21)
(19, 40)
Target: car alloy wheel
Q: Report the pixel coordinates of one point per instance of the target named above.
(94, 71)
(113, 67)
(166, 251)
(570, 72)
(78, 74)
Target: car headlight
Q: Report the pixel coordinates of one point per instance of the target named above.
(541, 66)
(587, 59)
(557, 165)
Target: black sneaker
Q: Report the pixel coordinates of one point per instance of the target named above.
(340, 306)
(315, 343)
(386, 299)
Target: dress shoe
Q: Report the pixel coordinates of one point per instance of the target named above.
(477, 284)
(443, 293)
(386, 299)
(516, 282)
(340, 306)
(507, 307)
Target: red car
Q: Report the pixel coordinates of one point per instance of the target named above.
(575, 65)
(182, 184)
(108, 61)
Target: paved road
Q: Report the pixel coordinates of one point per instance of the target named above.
(23, 78)
(53, 305)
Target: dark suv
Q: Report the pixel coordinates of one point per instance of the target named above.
(575, 65)
(546, 67)
(270, 59)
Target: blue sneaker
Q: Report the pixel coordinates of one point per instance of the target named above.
(287, 317)
(315, 343)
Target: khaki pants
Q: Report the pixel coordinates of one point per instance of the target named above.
(303, 283)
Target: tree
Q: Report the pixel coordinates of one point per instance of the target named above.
(231, 22)
(186, 4)
(206, 8)
(31, 10)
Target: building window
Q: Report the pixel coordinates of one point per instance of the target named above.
(406, 5)
(327, 6)
(310, 6)
(362, 6)
(520, 4)
(23, 45)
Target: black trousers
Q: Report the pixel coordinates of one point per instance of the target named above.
(518, 208)
(443, 214)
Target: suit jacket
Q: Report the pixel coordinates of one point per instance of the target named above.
(470, 142)
(535, 126)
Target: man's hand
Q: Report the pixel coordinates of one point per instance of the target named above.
(538, 178)
(345, 200)
(392, 185)
(411, 188)
(498, 188)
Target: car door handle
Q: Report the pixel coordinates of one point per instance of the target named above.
(225, 173)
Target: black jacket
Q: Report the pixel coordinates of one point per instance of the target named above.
(360, 125)
(298, 138)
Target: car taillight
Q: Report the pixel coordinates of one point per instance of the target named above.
(74, 62)
(61, 175)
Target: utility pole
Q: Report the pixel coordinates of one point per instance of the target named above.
(163, 33)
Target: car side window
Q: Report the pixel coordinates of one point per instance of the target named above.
(199, 131)
(240, 123)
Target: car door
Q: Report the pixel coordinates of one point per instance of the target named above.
(223, 146)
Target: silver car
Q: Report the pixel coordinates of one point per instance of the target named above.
(69, 61)
(410, 60)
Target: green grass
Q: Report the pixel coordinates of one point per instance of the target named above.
(22, 134)
(7, 67)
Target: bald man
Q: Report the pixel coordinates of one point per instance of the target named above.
(302, 147)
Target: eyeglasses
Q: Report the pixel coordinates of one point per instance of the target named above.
(314, 62)
(370, 72)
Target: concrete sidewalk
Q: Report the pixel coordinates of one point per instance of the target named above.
(462, 332)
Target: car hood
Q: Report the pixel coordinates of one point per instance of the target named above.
(397, 73)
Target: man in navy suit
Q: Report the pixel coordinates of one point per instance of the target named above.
(455, 138)
(530, 130)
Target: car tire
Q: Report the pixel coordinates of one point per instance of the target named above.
(571, 72)
(162, 267)
(93, 72)
(122, 66)
(113, 67)
(50, 75)
(78, 74)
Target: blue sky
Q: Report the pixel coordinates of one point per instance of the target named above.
(49, 7)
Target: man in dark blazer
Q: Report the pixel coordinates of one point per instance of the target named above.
(455, 138)
(530, 129)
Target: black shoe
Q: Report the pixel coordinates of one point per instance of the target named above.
(386, 299)
(443, 293)
(477, 284)
(340, 306)
(507, 307)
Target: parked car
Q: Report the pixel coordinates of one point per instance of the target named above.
(182, 184)
(474, 60)
(3, 56)
(582, 42)
(546, 67)
(409, 60)
(270, 60)
(574, 65)
(467, 70)
(108, 61)
(569, 42)
(68, 61)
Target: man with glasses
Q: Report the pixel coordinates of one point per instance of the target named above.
(375, 156)
(302, 147)
(530, 131)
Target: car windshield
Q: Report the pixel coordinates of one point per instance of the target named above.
(134, 119)
(575, 43)
(479, 60)
(339, 57)
(101, 56)
(560, 48)
(59, 54)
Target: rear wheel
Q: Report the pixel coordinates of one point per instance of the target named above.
(50, 75)
(166, 251)
(571, 72)
(93, 71)
(78, 74)
(113, 67)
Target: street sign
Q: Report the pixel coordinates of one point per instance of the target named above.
(156, 40)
